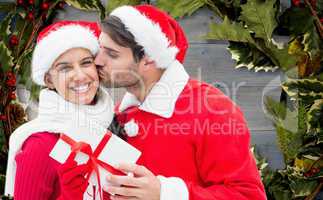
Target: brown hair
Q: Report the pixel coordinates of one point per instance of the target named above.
(114, 27)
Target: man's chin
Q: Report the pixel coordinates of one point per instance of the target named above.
(109, 84)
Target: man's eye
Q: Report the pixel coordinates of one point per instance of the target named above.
(112, 55)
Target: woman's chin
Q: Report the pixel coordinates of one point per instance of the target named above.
(82, 99)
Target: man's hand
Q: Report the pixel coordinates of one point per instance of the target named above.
(144, 185)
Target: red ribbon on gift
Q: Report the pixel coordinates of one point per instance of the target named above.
(93, 161)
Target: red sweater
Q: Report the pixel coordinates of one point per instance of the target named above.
(205, 142)
(36, 174)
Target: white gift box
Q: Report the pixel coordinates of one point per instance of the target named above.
(115, 151)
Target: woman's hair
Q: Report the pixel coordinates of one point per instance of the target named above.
(119, 34)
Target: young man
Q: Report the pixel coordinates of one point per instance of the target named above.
(194, 140)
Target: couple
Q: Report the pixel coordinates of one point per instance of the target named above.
(194, 140)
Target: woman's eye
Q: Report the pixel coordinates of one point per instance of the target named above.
(87, 63)
(64, 69)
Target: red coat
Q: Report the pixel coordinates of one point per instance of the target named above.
(204, 141)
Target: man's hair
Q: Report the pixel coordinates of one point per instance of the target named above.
(114, 27)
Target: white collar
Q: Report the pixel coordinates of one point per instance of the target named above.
(162, 98)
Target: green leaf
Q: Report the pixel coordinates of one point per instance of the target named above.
(259, 16)
(181, 8)
(306, 89)
(297, 20)
(250, 57)
(302, 187)
(312, 42)
(315, 117)
(6, 59)
(227, 30)
(277, 110)
(288, 126)
(112, 4)
(6, 7)
(285, 60)
(88, 5)
(5, 25)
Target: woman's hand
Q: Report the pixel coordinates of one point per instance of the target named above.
(72, 181)
(144, 185)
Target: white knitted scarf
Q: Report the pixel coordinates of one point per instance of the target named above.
(57, 115)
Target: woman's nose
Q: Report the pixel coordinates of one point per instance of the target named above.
(79, 74)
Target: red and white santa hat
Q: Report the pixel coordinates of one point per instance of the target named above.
(159, 34)
(57, 39)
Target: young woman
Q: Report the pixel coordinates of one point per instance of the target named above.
(72, 102)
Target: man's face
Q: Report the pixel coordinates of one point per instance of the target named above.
(116, 65)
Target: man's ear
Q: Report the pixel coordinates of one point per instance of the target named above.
(48, 81)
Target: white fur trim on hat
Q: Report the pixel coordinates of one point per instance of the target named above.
(57, 42)
(147, 34)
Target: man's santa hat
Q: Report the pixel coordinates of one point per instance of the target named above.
(59, 37)
(159, 34)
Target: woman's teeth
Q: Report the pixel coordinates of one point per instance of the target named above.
(81, 88)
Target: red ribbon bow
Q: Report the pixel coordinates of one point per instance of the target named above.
(93, 161)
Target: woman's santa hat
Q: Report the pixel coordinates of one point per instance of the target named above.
(57, 39)
(159, 34)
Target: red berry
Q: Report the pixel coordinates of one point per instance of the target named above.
(12, 95)
(10, 75)
(11, 82)
(315, 170)
(3, 118)
(31, 2)
(13, 40)
(45, 5)
(44, 16)
(30, 16)
(61, 4)
(321, 20)
(296, 2)
(20, 2)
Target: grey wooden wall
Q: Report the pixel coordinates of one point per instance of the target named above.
(211, 62)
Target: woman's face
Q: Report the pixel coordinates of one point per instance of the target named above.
(74, 76)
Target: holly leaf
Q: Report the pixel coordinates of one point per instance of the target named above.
(112, 4)
(302, 187)
(227, 30)
(181, 8)
(311, 42)
(88, 5)
(5, 57)
(306, 89)
(6, 7)
(260, 18)
(285, 60)
(5, 25)
(250, 57)
(297, 20)
(277, 110)
(315, 116)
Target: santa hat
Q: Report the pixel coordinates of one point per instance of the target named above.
(159, 34)
(57, 39)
